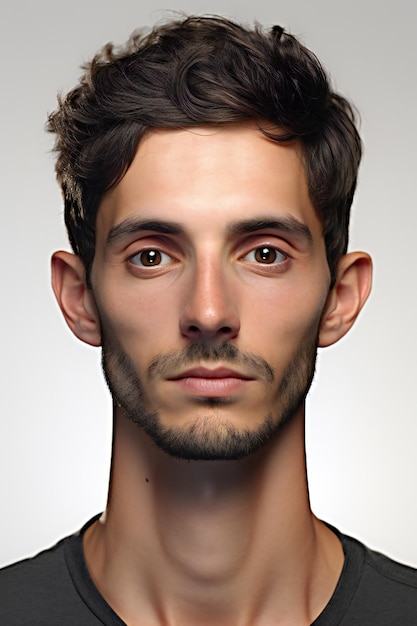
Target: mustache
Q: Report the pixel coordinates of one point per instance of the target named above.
(169, 364)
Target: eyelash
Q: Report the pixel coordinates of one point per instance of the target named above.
(163, 258)
(150, 251)
(266, 250)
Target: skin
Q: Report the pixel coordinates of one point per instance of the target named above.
(211, 542)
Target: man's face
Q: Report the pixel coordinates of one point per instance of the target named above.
(210, 278)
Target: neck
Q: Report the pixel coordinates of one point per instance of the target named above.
(233, 541)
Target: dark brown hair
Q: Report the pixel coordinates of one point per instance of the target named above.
(200, 71)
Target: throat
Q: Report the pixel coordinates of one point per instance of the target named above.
(229, 540)
(208, 539)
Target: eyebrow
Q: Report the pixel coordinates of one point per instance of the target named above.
(130, 226)
(287, 224)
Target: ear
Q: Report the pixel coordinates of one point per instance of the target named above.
(346, 299)
(75, 299)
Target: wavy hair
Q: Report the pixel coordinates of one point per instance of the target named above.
(201, 71)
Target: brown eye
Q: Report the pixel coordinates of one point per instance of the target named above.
(150, 257)
(265, 255)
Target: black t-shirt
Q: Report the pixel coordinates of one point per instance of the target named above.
(55, 589)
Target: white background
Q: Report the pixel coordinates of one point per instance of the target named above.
(55, 427)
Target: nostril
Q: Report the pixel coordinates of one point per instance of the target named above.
(193, 329)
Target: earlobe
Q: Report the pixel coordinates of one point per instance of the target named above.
(346, 299)
(74, 298)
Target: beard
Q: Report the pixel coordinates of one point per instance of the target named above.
(210, 436)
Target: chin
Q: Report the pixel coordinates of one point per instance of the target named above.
(209, 438)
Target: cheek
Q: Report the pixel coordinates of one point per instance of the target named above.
(282, 317)
(141, 322)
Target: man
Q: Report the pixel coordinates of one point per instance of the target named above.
(208, 172)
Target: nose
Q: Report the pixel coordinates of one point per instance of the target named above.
(210, 312)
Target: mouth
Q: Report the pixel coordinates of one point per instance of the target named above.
(219, 382)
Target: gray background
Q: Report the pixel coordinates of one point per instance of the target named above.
(55, 427)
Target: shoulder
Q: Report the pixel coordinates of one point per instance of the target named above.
(372, 590)
(40, 591)
(390, 574)
(386, 592)
(32, 590)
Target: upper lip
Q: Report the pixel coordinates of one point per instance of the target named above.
(206, 372)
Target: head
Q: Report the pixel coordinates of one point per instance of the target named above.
(208, 172)
(204, 71)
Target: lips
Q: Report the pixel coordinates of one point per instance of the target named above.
(217, 373)
(220, 382)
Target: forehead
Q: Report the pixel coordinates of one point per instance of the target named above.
(199, 175)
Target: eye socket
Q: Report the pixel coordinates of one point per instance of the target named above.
(266, 255)
(150, 258)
